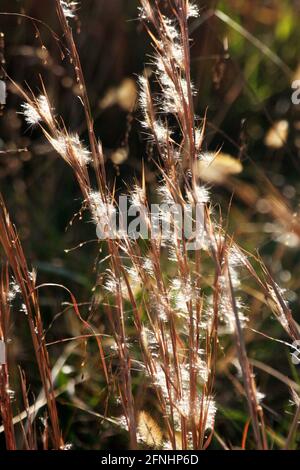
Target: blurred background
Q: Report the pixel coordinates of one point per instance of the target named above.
(245, 58)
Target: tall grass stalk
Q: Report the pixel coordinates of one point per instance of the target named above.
(179, 318)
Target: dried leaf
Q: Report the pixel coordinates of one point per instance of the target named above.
(125, 96)
(216, 168)
(120, 155)
(277, 135)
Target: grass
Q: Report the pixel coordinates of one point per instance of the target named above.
(165, 325)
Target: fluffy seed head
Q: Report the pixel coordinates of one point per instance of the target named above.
(37, 111)
(69, 8)
(71, 148)
(192, 10)
(145, 11)
(31, 115)
(138, 196)
(202, 195)
(101, 211)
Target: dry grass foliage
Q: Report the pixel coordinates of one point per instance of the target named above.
(180, 317)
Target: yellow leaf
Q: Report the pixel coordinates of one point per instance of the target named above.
(215, 168)
(277, 135)
(125, 96)
(120, 155)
